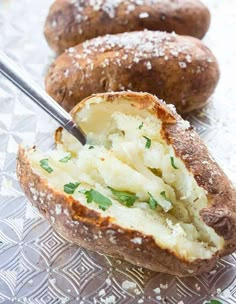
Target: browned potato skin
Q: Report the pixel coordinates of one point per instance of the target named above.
(115, 63)
(66, 26)
(81, 223)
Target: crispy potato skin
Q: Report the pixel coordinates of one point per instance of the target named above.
(88, 229)
(179, 69)
(91, 230)
(69, 24)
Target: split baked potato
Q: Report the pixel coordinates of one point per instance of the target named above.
(71, 22)
(178, 69)
(144, 188)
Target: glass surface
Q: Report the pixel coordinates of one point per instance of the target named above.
(39, 266)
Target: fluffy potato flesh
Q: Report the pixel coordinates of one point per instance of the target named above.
(126, 153)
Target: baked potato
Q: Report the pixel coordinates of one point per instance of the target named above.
(144, 188)
(72, 22)
(178, 69)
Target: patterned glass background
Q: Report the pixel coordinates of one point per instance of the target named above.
(37, 265)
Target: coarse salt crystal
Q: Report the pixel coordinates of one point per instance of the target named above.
(58, 209)
(137, 240)
(149, 65)
(188, 58)
(109, 300)
(184, 124)
(101, 293)
(157, 290)
(143, 15)
(137, 291)
(127, 285)
(66, 73)
(54, 23)
(163, 286)
(183, 65)
(130, 8)
(71, 50)
(174, 53)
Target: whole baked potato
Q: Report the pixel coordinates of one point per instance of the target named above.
(144, 188)
(71, 22)
(179, 69)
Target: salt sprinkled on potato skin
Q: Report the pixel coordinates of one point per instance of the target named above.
(178, 69)
(71, 22)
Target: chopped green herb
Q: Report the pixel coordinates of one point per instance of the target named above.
(172, 160)
(152, 202)
(140, 126)
(71, 187)
(163, 194)
(126, 198)
(91, 147)
(96, 197)
(148, 142)
(214, 302)
(44, 164)
(65, 159)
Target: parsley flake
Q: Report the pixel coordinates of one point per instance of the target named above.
(65, 159)
(126, 198)
(91, 147)
(44, 164)
(214, 302)
(140, 126)
(98, 198)
(166, 204)
(172, 160)
(152, 202)
(163, 194)
(71, 187)
(148, 142)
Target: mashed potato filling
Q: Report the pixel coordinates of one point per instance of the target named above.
(126, 155)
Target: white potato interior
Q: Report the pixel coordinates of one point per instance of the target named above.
(121, 159)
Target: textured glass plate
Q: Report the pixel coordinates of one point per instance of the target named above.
(39, 266)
